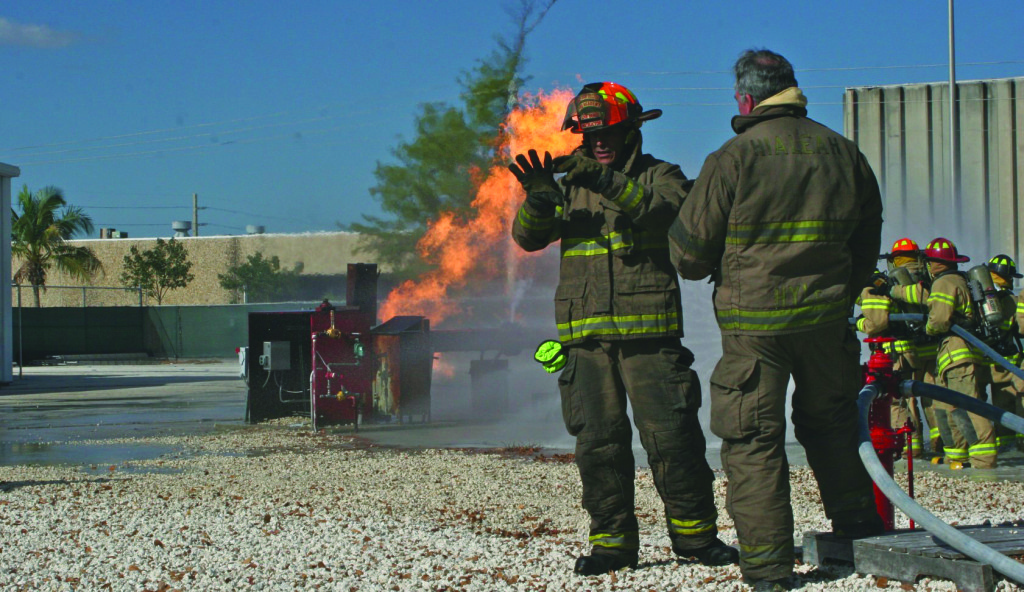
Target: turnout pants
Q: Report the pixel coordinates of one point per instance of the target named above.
(748, 411)
(1006, 394)
(971, 434)
(664, 393)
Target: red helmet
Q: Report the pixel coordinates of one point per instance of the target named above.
(904, 246)
(944, 251)
(604, 104)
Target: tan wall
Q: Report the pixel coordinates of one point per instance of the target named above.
(320, 253)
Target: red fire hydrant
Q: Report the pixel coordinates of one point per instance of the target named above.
(885, 440)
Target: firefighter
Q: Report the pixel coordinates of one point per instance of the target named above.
(619, 320)
(786, 218)
(1006, 388)
(958, 366)
(876, 303)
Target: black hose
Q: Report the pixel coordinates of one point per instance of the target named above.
(949, 535)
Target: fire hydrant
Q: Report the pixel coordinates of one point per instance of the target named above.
(885, 440)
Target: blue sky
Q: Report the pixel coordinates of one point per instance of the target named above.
(276, 113)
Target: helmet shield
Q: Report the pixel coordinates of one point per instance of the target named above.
(601, 105)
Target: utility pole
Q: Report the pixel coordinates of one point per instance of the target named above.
(954, 160)
(195, 213)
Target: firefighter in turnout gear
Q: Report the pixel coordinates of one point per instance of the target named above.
(877, 303)
(619, 320)
(958, 366)
(1007, 388)
(786, 218)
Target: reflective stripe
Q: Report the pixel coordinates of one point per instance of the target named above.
(899, 347)
(1004, 441)
(940, 297)
(694, 246)
(875, 304)
(576, 247)
(785, 318)
(766, 554)
(618, 325)
(948, 358)
(934, 433)
(860, 324)
(631, 196)
(913, 294)
(790, 232)
(984, 449)
(621, 540)
(955, 453)
(692, 527)
(926, 351)
(531, 222)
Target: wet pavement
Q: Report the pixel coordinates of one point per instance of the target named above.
(50, 415)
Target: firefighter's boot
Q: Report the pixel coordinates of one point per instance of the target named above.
(715, 554)
(602, 563)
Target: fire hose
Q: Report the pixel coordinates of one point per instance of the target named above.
(969, 338)
(951, 536)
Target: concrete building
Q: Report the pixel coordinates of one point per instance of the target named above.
(7, 172)
(322, 254)
(904, 130)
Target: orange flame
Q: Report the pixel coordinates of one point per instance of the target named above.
(480, 247)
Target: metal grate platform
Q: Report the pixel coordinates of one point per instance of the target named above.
(909, 554)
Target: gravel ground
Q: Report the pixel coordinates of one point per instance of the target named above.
(276, 507)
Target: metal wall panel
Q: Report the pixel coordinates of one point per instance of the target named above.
(903, 130)
(7, 172)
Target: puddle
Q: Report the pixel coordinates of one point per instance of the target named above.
(72, 453)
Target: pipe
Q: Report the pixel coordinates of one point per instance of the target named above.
(911, 388)
(949, 535)
(969, 338)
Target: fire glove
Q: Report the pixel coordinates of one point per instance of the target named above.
(583, 171)
(883, 290)
(551, 355)
(538, 180)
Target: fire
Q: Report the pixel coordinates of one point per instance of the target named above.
(480, 247)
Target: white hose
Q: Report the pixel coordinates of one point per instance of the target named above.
(949, 535)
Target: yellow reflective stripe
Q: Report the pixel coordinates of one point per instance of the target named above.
(618, 325)
(631, 196)
(1020, 307)
(785, 318)
(766, 554)
(983, 449)
(934, 433)
(875, 304)
(943, 298)
(958, 355)
(693, 527)
(899, 347)
(913, 294)
(622, 540)
(601, 245)
(531, 222)
(955, 453)
(790, 232)
(860, 324)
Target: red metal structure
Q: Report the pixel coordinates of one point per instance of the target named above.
(887, 442)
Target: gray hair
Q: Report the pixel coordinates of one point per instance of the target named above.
(762, 73)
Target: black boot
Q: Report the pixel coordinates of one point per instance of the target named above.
(716, 553)
(602, 563)
(775, 585)
(859, 530)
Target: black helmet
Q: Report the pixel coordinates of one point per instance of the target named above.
(1004, 267)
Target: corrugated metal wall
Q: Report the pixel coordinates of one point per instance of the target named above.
(904, 132)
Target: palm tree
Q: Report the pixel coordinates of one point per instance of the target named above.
(39, 236)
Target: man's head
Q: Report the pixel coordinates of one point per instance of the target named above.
(760, 73)
(609, 117)
(904, 252)
(943, 256)
(1003, 270)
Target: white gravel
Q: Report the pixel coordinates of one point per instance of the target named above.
(279, 508)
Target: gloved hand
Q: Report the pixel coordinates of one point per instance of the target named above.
(551, 355)
(538, 180)
(883, 290)
(583, 171)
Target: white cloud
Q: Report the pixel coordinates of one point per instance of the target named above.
(26, 35)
